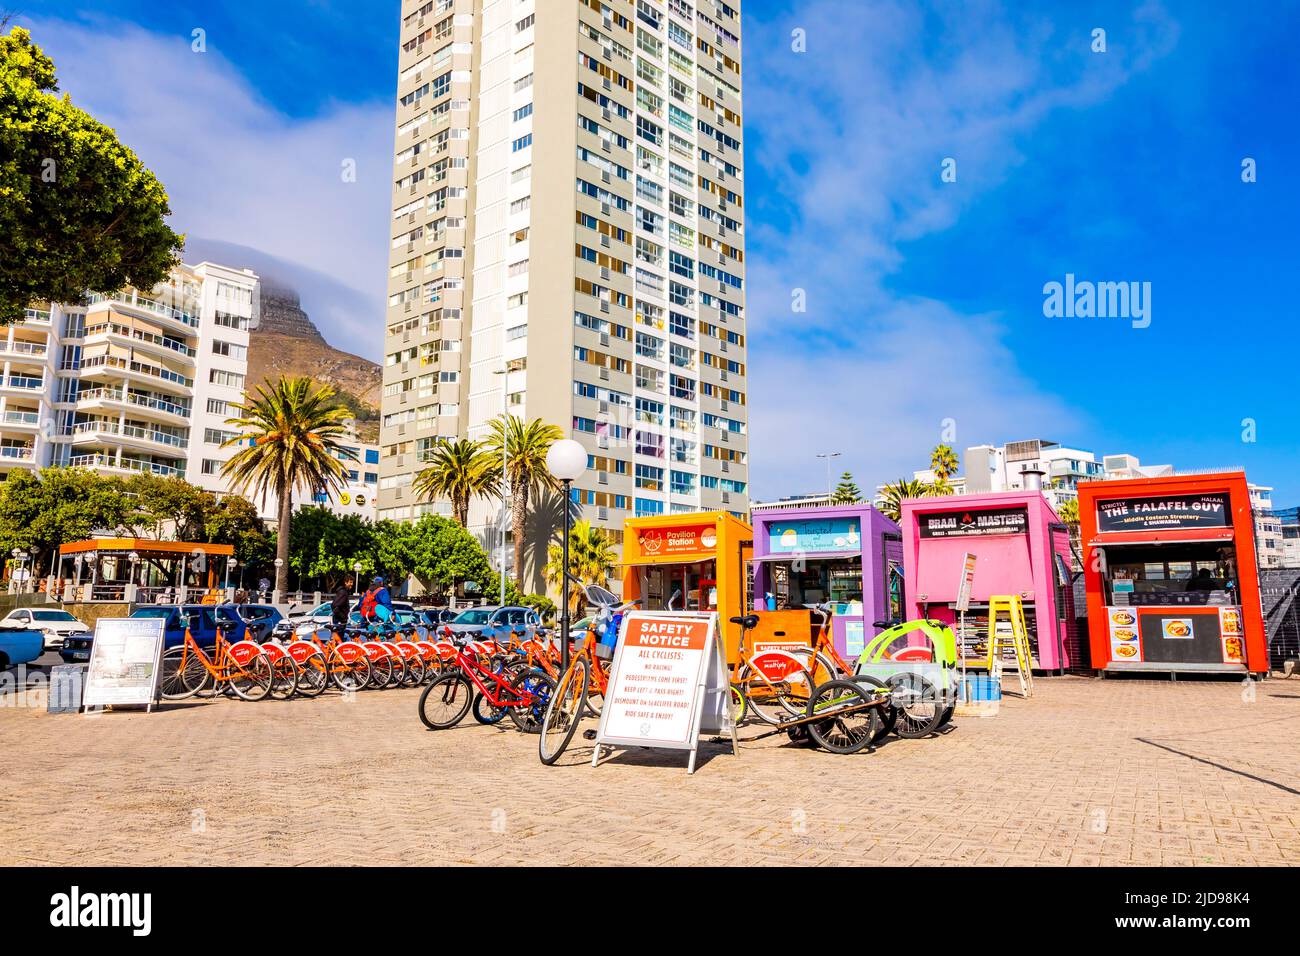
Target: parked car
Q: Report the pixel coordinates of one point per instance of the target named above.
(18, 645)
(436, 617)
(54, 623)
(476, 619)
(254, 621)
(322, 616)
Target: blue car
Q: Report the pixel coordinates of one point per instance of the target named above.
(20, 646)
(251, 621)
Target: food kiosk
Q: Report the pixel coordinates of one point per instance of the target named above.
(689, 562)
(848, 555)
(1021, 548)
(1171, 575)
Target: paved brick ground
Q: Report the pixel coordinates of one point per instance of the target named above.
(1086, 773)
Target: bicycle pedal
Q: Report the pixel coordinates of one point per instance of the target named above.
(588, 735)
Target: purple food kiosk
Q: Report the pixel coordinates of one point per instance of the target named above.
(848, 555)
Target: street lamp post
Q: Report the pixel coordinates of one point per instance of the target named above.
(828, 456)
(356, 577)
(231, 564)
(279, 563)
(134, 557)
(566, 460)
(503, 371)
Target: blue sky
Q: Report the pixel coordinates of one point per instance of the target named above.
(924, 297)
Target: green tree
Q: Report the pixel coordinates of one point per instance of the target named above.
(39, 511)
(1068, 512)
(289, 440)
(525, 445)
(846, 492)
(168, 508)
(458, 471)
(235, 520)
(78, 210)
(890, 501)
(447, 556)
(327, 546)
(944, 463)
(591, 560)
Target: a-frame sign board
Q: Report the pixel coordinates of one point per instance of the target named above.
(667, 684)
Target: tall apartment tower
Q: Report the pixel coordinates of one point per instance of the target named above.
(568, 244)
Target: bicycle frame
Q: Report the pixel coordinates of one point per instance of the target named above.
(220, 667)
(472, 669)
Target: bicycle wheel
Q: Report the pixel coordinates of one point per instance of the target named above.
(183, 674)
(251, 681)
(486, 712)
(917, 704)
(888, 714)
(842, 733)
(445, 702)
(818, 666)
(284, 678)
(740, 706)
(350, 676)
(313, 675)
(539, 687)
(381, 672)
(413, 676)
(774, 701)
(596, 696)
(398, 675)
(563, 712)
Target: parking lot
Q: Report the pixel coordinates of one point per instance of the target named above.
(1087, 772)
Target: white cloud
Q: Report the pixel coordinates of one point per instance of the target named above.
(239, 170)
(854, 132)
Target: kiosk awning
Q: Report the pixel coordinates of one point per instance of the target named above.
(1001, 567)
(809, 556)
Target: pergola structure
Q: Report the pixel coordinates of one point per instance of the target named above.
(155, 568)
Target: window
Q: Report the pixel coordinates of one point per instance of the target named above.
(211, 466)
(523, 112)
(229, 349)
(221, 377)
(648, 506)
(228, 321)
(216, 436)
(526, 23)
(217, 406)
(683, 483)
(522, 142)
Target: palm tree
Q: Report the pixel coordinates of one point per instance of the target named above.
(591, 560)
(891, 497)
(525, 445)
(289, 437)
(943, 462)
(457, 471)
(1068, 512)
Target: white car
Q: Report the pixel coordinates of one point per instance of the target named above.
(54, 624)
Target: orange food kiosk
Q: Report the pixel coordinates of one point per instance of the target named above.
(689, 562)
(1172, 576)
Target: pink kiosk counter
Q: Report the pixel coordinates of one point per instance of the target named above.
(1021, 547)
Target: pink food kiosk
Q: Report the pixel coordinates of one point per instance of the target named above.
(1021, 547)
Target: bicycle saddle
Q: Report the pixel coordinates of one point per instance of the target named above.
(748, 622)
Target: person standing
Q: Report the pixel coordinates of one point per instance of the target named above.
(341, 606)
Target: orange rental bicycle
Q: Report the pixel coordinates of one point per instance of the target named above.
(241, 667)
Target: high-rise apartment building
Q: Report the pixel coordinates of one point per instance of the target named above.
(132, 381)
(568, 244)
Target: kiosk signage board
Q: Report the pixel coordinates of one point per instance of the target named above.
(970, 523)
(816, 535)
(1171, 512)
(667, 684)
(125, 662)
(663, 542)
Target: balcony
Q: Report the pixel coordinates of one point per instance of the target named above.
(16, 455)
(37, 316)
(17, 419)
(113, 463)
(98, 430)
(162, 343)
(19, 347)
(92, 397)
(134, 300)
(100, 365)
(23, 383)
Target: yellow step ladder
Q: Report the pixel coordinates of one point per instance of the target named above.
(1013, 609)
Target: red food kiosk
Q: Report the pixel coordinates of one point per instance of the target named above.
(1172, 575)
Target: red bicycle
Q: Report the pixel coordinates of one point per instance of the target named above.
(448, 698)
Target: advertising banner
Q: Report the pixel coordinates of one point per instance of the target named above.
(1163, 514)
(685, 540)
(125, 662)
(814, 535)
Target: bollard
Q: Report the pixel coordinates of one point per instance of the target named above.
(67, 682)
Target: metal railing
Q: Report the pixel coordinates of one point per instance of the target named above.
(126, 331)
(139, 368)
(130, 431)
(127, 464)
(138, 301)
(117, 395)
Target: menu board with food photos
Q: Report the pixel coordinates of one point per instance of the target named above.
(1125, 642)
(1230, 633)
